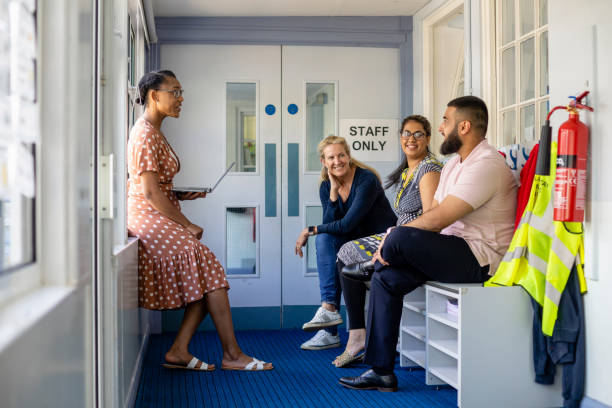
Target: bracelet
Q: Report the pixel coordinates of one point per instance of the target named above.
(311, 230)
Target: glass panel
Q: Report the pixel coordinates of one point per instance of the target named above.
(527, 79)
(527, 13)
(508, 128)
(544, 63)
(320, 120)
(241, 236)
(508, 96)
(241, 126)
(543, 113)
(314, 216)
(543, 12)
(507, 18)
(17, 159)
(528, 132)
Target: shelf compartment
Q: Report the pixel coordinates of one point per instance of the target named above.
(448, 347)
(415, 331)
(418, 356)
(445, 318)
(448, 374)
(415, 306)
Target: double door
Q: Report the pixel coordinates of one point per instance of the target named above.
(266, 108)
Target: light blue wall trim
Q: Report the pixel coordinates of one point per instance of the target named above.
(270, 178)
(244, 318)
(153, 58)
(385, 32)
(293, 179)
(348, 31)
(591, 403)
(406, 67)
(251, 318)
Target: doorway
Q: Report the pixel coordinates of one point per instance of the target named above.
(267, 108)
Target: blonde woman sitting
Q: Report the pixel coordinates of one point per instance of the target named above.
(354, 205)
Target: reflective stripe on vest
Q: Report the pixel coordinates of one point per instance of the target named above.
(542, 251)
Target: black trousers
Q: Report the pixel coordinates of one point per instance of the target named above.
(354, 293)
(414, 256)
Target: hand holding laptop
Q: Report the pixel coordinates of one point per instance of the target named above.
(184, 195)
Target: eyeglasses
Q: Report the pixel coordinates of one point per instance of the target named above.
(418, 135)
(176, 92)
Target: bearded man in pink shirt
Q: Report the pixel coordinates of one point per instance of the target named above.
(461, 239)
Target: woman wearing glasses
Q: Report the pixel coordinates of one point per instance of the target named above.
(416, 180)
(175, 270)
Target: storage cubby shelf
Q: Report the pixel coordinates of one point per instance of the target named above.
(483, 349)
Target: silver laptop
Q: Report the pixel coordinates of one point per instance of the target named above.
(203, 189)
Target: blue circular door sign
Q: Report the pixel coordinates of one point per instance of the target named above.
(292, 108)
(270, 109)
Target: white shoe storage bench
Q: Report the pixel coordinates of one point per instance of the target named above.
(484, 352)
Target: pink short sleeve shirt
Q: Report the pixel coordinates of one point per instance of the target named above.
(485, 182)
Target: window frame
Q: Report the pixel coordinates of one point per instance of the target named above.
(495, 93)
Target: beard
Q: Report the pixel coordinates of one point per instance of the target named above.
(451, 143)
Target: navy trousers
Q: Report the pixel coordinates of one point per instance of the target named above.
(414, 256)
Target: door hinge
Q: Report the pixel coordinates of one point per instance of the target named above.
(106, 186)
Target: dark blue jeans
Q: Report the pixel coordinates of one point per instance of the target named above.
(328, 246)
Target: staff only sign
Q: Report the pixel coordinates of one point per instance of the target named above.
(371, 139)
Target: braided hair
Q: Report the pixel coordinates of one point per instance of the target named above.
(396, 175)
(149, 81)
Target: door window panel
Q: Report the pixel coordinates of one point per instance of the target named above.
(527, 69)
(527, 13)
(528, 132)
(509, 128)
(508, 78)
(314, 216)
(507, 21)
(543, 12)
(241, 241)
(320, 119)
(241, 126)
(544, 64)
(543, 113)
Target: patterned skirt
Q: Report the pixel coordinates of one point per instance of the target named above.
(359, 250)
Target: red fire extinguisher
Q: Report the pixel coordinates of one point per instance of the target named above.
(571, 181)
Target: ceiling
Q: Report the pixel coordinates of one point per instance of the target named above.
(261, 8)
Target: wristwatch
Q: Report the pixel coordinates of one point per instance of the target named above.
(311, 230)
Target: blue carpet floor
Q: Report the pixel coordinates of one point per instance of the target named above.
(300, 379)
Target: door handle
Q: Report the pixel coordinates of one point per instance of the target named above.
(270, 179)
(293, 179)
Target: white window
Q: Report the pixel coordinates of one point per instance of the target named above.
(19, 134)
(521, 52)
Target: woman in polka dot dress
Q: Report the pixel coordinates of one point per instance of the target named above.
(175, 270)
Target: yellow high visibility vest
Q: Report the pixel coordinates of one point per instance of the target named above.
(542, 251)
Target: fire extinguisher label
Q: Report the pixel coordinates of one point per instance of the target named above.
(581, 190)
(562, 185)
(566, 160)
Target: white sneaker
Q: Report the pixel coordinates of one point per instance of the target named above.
(323, 318)
(321, 341)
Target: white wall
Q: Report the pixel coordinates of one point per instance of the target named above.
(125, 327)
(575, 59)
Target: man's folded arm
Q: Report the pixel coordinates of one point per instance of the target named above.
(442, 215)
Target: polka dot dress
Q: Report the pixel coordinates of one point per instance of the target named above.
(174, 268)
